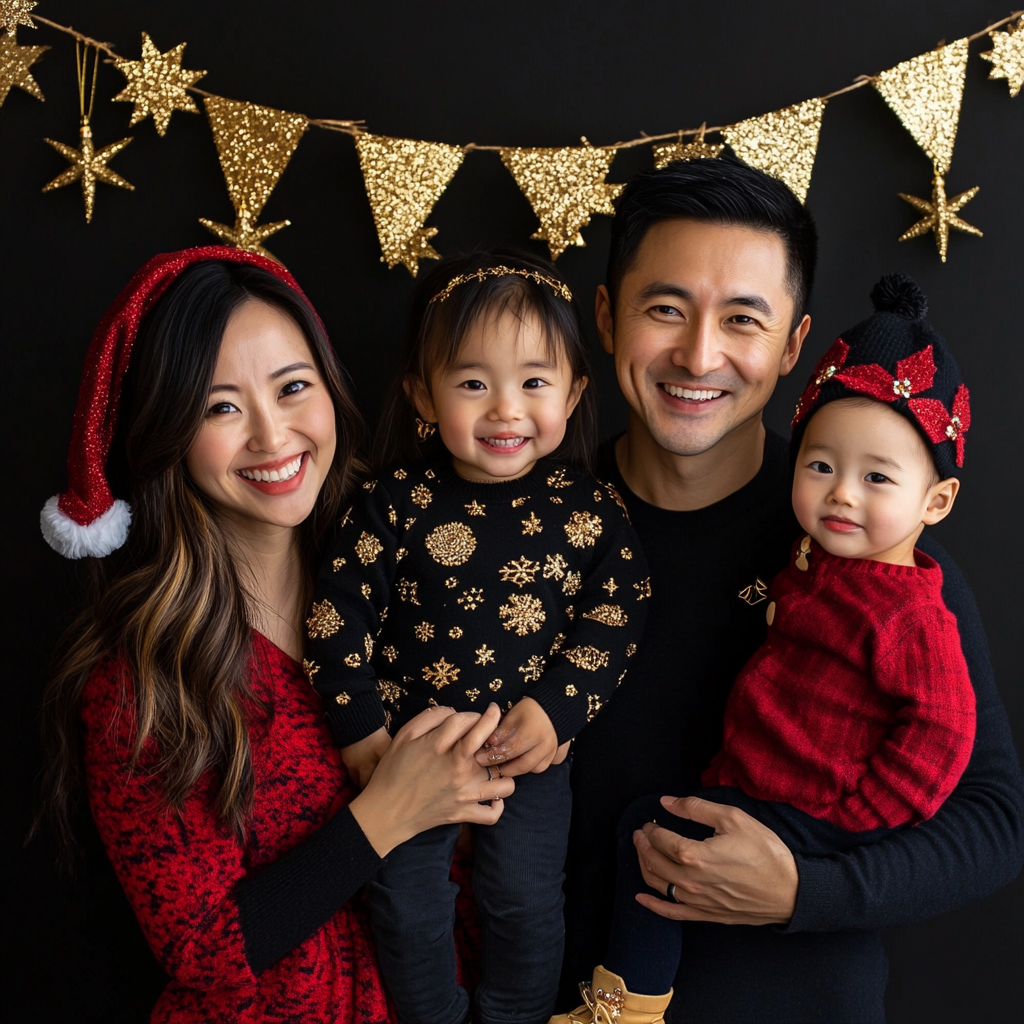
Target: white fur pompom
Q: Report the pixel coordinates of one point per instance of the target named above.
(95, 539)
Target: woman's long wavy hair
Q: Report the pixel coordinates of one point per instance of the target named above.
(172, 606)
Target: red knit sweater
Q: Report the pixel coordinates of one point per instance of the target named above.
(858, 708)
(178, 870)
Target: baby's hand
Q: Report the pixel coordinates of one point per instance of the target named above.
(361, 758)
(525, 741)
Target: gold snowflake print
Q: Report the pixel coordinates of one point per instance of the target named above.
(430, 474)
(421, 496)
(368, 548)
(343, 699)
(519, 572)
(594, 704)
(338, 563)
(310, 668)
(597, 495)
(407, 591)
(533, 669)
(389, 652)
(384, 613)
(366, 590)
(532, 525)
(455, 632)
(451, 543)
(611, 586)
(471, 599)
(617, 498)
(572, 583)
(440, 674)
(643, 588)
(571, 691)
(392, 516)
(518, 502)
(556, 644)
(554, 567)
(387, 720)
(557, 479)
(523, 613)
(391, 692)
(400, 554)
(353, 660)
(484, 655)
(400, 474)
(473, 694)
(369, 486)
(324, 622)
(609, 614)
(368, 646)
(410, 522)
(345, 519)
(626, 554)
(618, 682)
(587, 657)
(495, 685)
(630, 650)
(451, 583)
(424, 631)
(583, 529)
(555, 499)
(570, 612)
(474, 508)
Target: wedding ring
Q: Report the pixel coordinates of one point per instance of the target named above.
(670, 892)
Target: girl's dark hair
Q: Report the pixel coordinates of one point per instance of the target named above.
(172, 605)
(438, 329)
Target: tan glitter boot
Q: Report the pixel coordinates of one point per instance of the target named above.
(606, 1000)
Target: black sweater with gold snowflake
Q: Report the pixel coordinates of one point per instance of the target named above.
(441, 590)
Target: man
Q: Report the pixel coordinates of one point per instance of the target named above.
(710, 268)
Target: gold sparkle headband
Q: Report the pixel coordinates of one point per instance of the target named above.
(558, 287)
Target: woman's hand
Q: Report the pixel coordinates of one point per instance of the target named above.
(361, 758)
(743, 874)
(524, 741)
(429, 776)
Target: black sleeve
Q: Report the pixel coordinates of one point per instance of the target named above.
(281, 906)
(972, 846)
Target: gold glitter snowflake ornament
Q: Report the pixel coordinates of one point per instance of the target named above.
(89, 165)
(15, 62)
(1007, 56)
(940, 215)
(564, 186)
(157, 84)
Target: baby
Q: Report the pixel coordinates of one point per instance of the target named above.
(856, 716)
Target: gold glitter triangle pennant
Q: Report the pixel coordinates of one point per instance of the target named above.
(564, 186)
(1007, 56)
(15, 12)
(254, 145)
(782, 143)
(925, 94)
(404, 178)
(15, 62)
(157, 84)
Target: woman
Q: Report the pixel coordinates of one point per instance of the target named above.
(222, 803)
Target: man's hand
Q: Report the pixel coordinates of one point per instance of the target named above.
(743, 874)
(525, 741)
(361, 758)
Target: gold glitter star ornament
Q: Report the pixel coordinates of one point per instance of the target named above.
(15, 62)
(404, 179)
(782, 143)
(940, 215)
(1007, 56)
(15, 12)
(157, 84)
(90, 165)
(564, 186)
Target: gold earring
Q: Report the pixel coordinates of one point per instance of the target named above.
(424, 429)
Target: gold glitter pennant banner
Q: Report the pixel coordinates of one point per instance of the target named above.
(564, 186)
(782, 143)
(925, 94)
(404, 178)
(698, 149)
(1007, 56)
(15, 62)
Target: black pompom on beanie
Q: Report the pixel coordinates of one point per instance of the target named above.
(896, 357)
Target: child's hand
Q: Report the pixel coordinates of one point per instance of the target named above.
(525, 741)
(361, 758)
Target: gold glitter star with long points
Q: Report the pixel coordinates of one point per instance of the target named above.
(15, 12)
(1007, 56)
(245, 234)
(157, 84)
(940, 215)
(15, 62)
(89, 164)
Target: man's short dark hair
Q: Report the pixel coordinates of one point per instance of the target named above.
(722, 191)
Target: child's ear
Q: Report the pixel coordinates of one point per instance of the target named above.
(419, 397)
(575, 394)
(939, 500)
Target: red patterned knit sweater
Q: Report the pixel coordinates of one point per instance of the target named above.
(858, 708)
(179, 870)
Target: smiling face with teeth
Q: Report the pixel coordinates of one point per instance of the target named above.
(701, 331)
(505, 401)
(268, 438)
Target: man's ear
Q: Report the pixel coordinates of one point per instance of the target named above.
(939, 501)
(419, 397)
(791, 353)
(605, 319)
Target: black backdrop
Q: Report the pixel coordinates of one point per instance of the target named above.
(530, 73)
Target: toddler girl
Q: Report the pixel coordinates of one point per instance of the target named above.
(856, 716)
(489, 566)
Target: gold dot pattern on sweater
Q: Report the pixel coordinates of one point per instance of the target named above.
(342, 698)
(391, 692)
(455, 632)
(366, 590)
(324, 622)
(451, 543)
(557, 479)
(471, 599)
(495, 685)
(310, 668)
(407, 591)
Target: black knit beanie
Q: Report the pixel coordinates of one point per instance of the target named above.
(896, 357)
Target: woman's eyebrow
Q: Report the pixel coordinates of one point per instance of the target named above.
(291, 368)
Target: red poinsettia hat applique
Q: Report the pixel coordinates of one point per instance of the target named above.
(896, 357)
(86, 520)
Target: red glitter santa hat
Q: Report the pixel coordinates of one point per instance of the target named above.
(86, 520)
